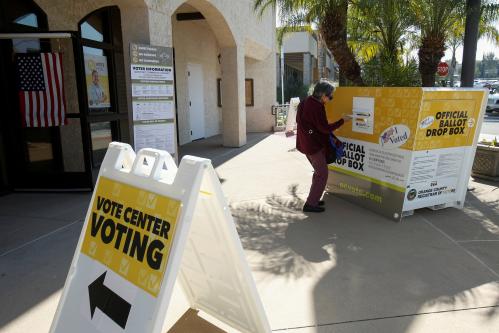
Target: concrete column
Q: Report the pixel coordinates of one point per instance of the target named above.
(233, 96)
(307, 69)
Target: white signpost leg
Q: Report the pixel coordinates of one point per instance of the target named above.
(214, 273)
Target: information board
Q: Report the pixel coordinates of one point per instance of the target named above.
(407, 148)
(152, 75)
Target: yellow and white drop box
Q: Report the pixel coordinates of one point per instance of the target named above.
(405, 148)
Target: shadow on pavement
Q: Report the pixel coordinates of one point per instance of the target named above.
(38, 237)
(380, 269)
(491, 183)
(213, 149)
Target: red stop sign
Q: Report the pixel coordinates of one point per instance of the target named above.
(443, 69)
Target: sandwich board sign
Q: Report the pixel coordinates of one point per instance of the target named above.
(149, 223)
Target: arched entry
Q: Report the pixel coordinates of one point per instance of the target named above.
(210, 68)
(26, 153)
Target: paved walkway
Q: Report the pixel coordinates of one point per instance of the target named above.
(346, 270)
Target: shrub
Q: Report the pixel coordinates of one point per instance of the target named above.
(378, 73)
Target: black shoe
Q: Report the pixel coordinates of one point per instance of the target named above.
(313, 209)
(321, 203)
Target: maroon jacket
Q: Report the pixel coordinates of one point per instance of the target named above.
(312, 127)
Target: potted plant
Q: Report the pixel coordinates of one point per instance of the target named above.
(486, 163)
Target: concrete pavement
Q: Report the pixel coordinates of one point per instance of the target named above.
(346, 270)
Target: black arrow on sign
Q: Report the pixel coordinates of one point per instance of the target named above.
(108, 302)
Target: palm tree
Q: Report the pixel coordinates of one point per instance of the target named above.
(456, 35)
(379, 33)
(487, 28)
(330, 16)
(384, 23)
(434, 19)
(488, 11)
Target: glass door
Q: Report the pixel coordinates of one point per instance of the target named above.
(31, 153)
(106, 111)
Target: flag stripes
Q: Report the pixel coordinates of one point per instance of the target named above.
(41, 89)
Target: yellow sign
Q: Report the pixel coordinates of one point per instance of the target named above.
(448, 119)
(131, 231)
(434, 119)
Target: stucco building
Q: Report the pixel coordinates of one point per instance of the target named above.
(306, 58)
(224, 69)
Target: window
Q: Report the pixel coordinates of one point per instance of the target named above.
(248, 88)
(219, 92)
(89, 32)
(101, 135)
(102, 56)
(96, 58)
(27, 45)
(22, 16)
(29, 20)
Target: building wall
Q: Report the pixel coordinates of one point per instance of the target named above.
(300, 42)
(259, 117)
(189, 37)
(255, 34)
(232, 24)
(251, 34)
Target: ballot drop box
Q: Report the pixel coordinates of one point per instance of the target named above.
(405, 148)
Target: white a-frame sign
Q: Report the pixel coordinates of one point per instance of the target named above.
(149, 222)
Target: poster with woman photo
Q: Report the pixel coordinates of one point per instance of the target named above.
(97, 81)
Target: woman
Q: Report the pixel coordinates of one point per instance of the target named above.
(313, 140)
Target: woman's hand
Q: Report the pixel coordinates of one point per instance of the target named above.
(347, 117)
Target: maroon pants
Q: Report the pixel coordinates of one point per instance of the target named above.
(319, 179)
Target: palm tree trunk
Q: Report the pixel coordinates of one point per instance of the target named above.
(470, 42)
(431, 51)
(333, 30)
(452, 66)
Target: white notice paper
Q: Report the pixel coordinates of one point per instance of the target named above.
(152, 90)
(158, 136)
(152, 110)
(363, 115)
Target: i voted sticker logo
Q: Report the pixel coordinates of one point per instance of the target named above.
(394, 136)
(471, 122)
(426, 122)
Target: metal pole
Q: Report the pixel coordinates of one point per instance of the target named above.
(28, 35)
(470, 42)
(282, 75)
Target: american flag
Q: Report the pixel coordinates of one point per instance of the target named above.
(41, 89)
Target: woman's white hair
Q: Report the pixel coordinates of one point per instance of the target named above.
(323, 88)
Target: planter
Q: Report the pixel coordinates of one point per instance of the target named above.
(486, 163)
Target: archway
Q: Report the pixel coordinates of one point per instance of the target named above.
(210, 71)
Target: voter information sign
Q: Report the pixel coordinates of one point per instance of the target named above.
(153, 97)
(148, 226)
(406, 148)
